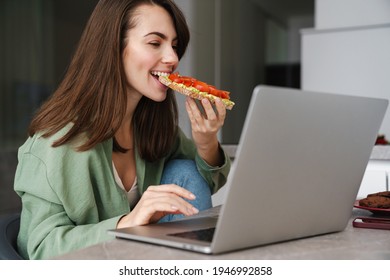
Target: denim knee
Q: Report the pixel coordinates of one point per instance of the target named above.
(185, 174)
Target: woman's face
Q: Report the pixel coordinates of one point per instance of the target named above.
(150, 51)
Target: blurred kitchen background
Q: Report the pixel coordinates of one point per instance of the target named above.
(338, 46)
(235, 44)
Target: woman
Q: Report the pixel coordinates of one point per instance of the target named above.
(105, 150)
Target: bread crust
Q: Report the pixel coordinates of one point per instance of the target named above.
(193, 92)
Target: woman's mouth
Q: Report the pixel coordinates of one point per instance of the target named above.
(157, 74)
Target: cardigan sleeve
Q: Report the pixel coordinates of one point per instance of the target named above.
(62, 208)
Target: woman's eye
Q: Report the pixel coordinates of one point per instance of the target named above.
(155, 44)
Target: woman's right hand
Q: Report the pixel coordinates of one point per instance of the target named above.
(158, 201)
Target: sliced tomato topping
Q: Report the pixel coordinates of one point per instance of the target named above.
(188, 81)
(204, 87)
(224, 94)
(175, 77)
(201, 86)
(177, 80)
(219, 93)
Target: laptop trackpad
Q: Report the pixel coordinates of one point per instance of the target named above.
(201, 235)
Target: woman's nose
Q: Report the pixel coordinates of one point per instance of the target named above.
(170, 56)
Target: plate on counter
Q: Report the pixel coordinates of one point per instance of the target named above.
(376, 211)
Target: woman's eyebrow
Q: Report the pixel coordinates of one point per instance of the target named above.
(161, 35)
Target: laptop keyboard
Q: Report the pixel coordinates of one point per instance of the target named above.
(202, 235)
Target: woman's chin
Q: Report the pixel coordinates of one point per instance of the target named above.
(158, 97)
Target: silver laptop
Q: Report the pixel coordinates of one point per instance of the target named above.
(298, 167)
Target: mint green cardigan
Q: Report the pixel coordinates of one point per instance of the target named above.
(70, 199)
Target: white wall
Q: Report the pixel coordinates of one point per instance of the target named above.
(349, 60)
(350, 13)
(348, 52)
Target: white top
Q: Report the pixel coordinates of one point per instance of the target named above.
(133, 194)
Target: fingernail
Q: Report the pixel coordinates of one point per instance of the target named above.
(192, 196)
(174, 207)
(194, 210)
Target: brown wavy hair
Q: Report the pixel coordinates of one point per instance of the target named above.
(93, 94)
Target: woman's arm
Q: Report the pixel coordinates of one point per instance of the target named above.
(69, 200)
(205, 127)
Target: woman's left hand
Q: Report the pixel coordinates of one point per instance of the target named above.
(205, 127)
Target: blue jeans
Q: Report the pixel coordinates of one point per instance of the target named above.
(185, 174)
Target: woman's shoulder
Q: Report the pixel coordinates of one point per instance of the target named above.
(42, 147)
(40, 144)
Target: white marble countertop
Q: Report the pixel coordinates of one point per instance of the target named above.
(352, 243)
